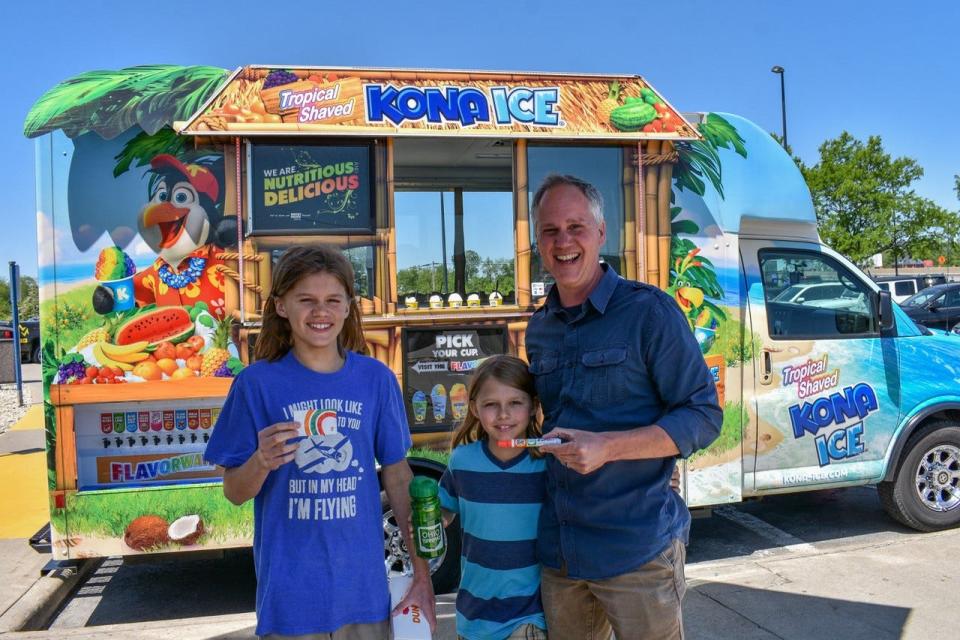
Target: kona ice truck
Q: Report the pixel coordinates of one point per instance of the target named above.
(166, 194)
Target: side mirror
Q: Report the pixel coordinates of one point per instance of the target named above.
(885, 310)
(933, 305)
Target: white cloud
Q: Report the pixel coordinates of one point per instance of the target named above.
(56, 245)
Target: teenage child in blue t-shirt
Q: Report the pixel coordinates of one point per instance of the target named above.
(497, 492)
(301, 433)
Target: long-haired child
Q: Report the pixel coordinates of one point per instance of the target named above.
(497, 492)
(301, 433)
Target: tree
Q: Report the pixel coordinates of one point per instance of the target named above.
(29, 299)
(865, 204)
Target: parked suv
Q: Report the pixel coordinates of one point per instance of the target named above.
(29, 338)
(902, 287)
(937, 307)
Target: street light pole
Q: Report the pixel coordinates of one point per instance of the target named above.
(783, 102)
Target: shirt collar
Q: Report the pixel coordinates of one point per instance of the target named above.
(599, 297)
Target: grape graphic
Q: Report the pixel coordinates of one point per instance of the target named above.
(279, 77)
(71, 371)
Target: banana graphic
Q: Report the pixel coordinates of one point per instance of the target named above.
(113, 350)
(132, 358)
(106, 360)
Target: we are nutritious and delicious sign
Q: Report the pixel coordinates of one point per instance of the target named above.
(304, 188)
(386, 102)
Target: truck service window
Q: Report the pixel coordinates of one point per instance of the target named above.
(453, 204)
(809, 296)
(600, 166)
(361, 256)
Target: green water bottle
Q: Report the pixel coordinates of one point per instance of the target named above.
(428, 536)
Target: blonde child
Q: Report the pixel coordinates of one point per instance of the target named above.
(497, 492)
(301, 433)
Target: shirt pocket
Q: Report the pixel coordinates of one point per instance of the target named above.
(545, 367)
(603, 375)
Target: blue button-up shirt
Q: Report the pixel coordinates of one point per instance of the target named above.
(625, 359)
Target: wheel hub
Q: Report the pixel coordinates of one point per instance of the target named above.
(938, 478)
(396, 557)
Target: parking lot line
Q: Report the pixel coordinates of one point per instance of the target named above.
(764, 529)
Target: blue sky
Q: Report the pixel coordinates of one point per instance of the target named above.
(880, 68)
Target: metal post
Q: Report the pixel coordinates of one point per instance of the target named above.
(783, 102)
(15, 310)
(443, 241)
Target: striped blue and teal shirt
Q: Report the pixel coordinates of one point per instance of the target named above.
(499, 505)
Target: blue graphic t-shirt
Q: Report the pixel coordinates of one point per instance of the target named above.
(499, 507)
(318, 533)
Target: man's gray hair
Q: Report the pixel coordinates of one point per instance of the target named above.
(555, 180)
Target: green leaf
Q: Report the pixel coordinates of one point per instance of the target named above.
(684, 226)
(143, 147)
(207, 321)
(235, 365)
(698, 160)
(111, 102)
(719, 133)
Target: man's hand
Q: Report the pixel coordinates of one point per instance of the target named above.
(582, 451)
(421, 595)
(586, 451)
(272, 449)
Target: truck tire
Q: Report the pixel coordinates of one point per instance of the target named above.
(445, 570)
(925, 492)
(35, 354)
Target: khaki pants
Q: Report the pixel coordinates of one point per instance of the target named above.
(366, 631)
(641, 605)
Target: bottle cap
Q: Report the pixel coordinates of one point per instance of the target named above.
(423, 487)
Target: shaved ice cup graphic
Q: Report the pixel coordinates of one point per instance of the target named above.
(458, 401)
(419, 406)
(122, 291)
(438, 396)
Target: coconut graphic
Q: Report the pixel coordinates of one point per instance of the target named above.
(146, 532)
(186, 530)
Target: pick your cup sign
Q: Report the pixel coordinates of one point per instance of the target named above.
(456, 345)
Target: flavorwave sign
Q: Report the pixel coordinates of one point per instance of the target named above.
(149, 468)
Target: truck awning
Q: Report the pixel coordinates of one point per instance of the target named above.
(269, 100)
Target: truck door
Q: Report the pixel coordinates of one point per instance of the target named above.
(826, 387)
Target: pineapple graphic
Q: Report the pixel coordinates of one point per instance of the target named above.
(217, 354)
(100, 334)
(611, 102)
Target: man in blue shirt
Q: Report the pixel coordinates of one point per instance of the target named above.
(623, 383)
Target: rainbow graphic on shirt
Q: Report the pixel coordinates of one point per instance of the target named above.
(316, 422)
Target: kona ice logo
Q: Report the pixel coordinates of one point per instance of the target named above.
(466, 106)
(853, 403)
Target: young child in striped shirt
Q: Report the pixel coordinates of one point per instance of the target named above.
(497, 491)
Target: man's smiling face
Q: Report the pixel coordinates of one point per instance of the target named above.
(569, 239)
